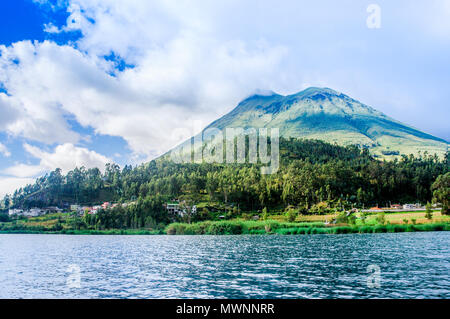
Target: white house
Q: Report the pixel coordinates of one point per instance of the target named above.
(33, 212)
(15, 212)
(174, 208)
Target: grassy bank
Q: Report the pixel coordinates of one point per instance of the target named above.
(237, 227)
(274, 227)
(85, 232)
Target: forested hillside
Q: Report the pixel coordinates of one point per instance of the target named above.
(314, 177)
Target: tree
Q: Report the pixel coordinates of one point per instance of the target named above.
(264, 213)
(381, 219)
(352, 219)
(428, 212)
(187, 206)
(291, 215)
(363, 217)
(441, 192)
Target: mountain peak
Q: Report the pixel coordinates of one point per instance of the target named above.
(309, 92)
(316, 90)
(260, 94)
(329, 115)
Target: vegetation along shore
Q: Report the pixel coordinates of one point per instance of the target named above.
(319, 188)
(363, 223)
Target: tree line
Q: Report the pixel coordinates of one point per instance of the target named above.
(314, 176)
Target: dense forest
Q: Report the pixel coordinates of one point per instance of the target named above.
(314, 177)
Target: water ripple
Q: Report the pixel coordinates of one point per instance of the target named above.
(413, 265)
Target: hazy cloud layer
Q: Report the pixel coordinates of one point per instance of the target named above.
(143, 68)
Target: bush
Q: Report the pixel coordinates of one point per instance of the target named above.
(268, 227)
(342, 218)
(379, 229)
(365, 229)
(225, 228)
(291, 215)
(381, 219)
(428, 212)
(342, 230)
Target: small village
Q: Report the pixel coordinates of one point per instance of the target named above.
(177, 208)
(79, 209)
(173, 208)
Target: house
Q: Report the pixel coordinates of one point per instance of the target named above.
(125, 205)
(15, 211)
(53, 209)
(396, 206)
(409, 206)
(106, 205)
(94, 210)
(78, 209)
(33, 212)
(174, 208)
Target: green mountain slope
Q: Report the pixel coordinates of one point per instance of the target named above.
(324, 114)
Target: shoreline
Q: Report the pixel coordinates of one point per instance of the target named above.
(225, 228)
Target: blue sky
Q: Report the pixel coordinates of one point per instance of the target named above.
(85, 82)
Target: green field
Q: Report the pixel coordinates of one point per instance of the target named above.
(65, 223)
(242, 227)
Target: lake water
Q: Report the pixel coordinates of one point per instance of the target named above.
(410, 265)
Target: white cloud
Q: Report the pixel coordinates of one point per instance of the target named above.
(51, 28)
(21, 170)
(28, 111)
(65, 156)
(189, 76)
(9, 184)
(196, 61)
(4, 150)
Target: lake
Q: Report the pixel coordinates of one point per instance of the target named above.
(397, 265)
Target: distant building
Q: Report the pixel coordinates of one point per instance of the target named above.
(53, 209)
(74, 208)
(409, 206)
(106, 205)
(396, 206)
(124, 205)
(13, 211)
(375, 208)
(174, 208)
(32, 212)
(94, 210)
